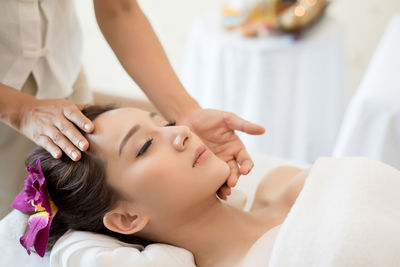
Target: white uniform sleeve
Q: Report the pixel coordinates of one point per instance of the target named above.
(86, 249)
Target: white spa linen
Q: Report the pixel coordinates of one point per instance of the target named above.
(348, 214)
(85, 249)
(78, 248)
(12, 227)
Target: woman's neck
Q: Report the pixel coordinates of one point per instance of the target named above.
(212, 231)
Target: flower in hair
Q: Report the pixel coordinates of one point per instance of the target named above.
(35, 199)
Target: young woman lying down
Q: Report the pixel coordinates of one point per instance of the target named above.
(146, 180)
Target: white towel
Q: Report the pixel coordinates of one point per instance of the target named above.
(78, 248)
(348, 214)
(12, 227)
(85, 249)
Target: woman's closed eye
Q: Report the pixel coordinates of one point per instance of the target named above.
(150, 141)
(144, 147)
(170, 124)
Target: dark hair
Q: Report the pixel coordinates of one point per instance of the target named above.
(79, 190)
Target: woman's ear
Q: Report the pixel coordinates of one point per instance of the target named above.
(124, 222)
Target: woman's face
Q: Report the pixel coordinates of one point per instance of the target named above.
(153, 164)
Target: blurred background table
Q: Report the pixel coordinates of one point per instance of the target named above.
(294, 88)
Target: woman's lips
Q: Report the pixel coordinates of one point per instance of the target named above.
(202, 154)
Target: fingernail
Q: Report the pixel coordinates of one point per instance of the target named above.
(177, 140)
(74, 155)
(55, 154)
(81, 144)
(87, 127)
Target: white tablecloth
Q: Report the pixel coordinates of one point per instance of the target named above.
(295, 89)
(372, 123)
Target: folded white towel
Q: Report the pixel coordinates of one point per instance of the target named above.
(348, 214)
(85, 249)
(78, 248)
(12, 227)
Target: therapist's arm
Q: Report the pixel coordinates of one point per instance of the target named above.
(49, 123)
(134, 42)
(137, 47)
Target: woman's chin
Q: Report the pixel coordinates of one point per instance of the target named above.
(223, 172)
(217, 172)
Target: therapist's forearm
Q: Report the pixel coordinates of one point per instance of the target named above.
(133, 40)
(11, 102)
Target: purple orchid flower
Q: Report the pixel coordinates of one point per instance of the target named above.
(35, 199)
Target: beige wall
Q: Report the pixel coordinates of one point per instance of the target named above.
(363, 20)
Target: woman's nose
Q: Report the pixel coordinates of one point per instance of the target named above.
(182, 136)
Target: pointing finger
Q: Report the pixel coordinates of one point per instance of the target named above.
(234, 122)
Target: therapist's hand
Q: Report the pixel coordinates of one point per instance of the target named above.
(53, 124)
(216, 129)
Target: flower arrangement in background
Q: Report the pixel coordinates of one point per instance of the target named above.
(251, 17)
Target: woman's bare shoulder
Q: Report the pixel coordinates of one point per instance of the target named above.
(280, 186)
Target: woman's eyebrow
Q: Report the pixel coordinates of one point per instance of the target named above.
(132, 131)
(128, 135)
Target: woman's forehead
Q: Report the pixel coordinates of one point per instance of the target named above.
(110, 126)
(119, 114)
(117, 119)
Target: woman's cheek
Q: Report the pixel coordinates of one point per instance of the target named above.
(151, 172)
